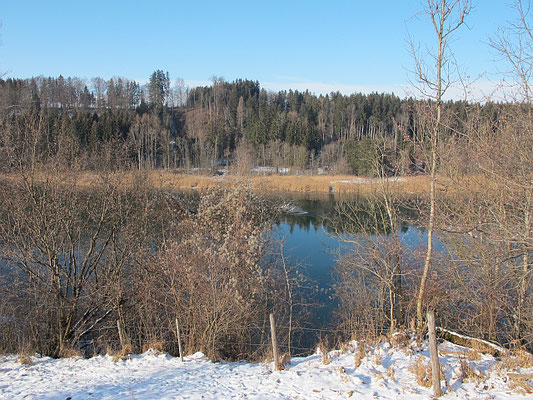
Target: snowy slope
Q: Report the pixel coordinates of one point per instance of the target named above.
(383, 374)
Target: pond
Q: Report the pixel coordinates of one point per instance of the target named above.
(310, 243)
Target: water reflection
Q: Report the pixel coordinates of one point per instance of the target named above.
(314, 240)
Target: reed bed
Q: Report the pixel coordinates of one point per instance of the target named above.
(294, 183)
(338, 184)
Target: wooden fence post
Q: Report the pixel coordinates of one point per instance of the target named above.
(435, 365)
(121, 335)
(179, 339)
(274, 342)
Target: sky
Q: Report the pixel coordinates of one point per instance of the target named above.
(323, 46)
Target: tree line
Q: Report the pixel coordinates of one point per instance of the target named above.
(164, 125)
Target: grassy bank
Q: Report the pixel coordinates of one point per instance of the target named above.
(342, 184)
(293, 183)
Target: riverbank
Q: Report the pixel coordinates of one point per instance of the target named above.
(294, 183)
(324, 184)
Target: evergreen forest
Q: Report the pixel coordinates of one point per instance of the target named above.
(167, 125)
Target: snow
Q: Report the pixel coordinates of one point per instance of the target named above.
(383, 374)
(289, 208)
(489, 344)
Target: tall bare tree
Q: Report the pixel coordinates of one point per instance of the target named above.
(515, 44)
(434, 76)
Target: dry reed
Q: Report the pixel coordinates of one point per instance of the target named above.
(165, 179)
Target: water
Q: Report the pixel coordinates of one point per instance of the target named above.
(310, 243)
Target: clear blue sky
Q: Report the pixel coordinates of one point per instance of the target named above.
(344, 45)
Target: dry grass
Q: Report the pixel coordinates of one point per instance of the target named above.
(391, 373)
(291, 183)
(360, 354)
(157, 346)
(343, 347)
(400, 339)
(25, 354)
(473, 355)
(524, 359)
(521, 387)
(324, 351)
(164, 179)
(123, 354)
(482, 347)
(337, 184)
(25, 359)
(521, 383)
(69, 352)
(468, 373)
(511, 361)
(285, 360)
(377, 356)
(422, 371)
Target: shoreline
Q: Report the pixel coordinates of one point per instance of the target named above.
(319, 184)
(324, 184)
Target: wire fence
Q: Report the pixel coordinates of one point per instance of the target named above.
(304, 340)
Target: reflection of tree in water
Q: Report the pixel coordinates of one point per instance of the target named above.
(355, 217)
(318, 211)
(334, 213)
(344, 216)
(304, 222)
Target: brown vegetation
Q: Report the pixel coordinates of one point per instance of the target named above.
(479, 207)
(100, 256)
(338, 184)
(422, 371)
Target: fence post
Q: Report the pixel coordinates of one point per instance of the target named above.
(435, 365)
(179, 339)
(274, 342)
(121, 334)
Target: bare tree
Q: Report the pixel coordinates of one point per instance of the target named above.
(214, 276)
(99, 86)
(486, 217)
(243, 158)
(56, 237)
(369, 276)
(433, 78)
(515, 44)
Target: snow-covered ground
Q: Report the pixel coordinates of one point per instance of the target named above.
(384, 373)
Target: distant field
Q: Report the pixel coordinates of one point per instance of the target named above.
(288, 183)
(293, 183)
